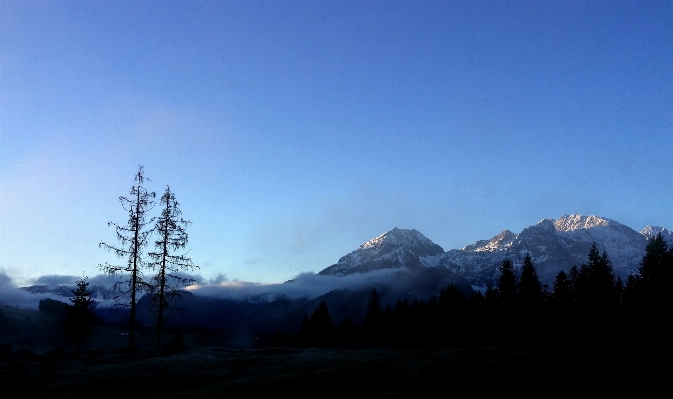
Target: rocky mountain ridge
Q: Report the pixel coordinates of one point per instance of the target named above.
(395, 248)
(554, 245)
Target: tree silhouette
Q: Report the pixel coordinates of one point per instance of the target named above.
(530, 288)
(374, 312)
(596, 283)
(596, 299)
(507, 284)
(647, 294)
(503, 309)
(167, 282)
(561, 291)
(374, 319)
(80, 315)
(317, 330)
(529, 303)
(133, 238)
(654, 272)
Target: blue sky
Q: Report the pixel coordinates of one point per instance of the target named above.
(293, 131)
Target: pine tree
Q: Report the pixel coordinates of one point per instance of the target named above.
(507, 284)
(573, 279)
(133, 238)
(654, 273)
(504, 312)
(648, 294)
(561, 291)
(172, 236)
(561, 322)
(530, 288)
(596, 282)
(605, 279)
(374, 309)
(80, 315)
(317, 330)
(374, 320)
(529, 303)
(596, 298)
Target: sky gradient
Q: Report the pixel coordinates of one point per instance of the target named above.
(293, 131)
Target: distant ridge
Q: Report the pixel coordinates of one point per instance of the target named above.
(554, 245)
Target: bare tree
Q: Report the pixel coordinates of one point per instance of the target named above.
(133, 238)
(167, 283)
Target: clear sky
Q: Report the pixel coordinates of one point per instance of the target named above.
(293, 131)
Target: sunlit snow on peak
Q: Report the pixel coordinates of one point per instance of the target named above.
(577, 222)
(397, 236)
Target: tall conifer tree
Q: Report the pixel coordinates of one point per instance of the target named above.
(530, 288)
(80, 315)
(374, 309)
(596, 281)
(507, 282)
(653, 275)
(648, 294)
(561, 291)
(374, 320)
(317, 330)
(133, 238)
(171, 236)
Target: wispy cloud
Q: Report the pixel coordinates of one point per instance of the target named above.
(55, 279)
(12, 295)
(305, 285)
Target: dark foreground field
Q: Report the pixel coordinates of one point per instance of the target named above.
(314, 373)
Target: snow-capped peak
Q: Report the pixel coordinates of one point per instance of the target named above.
(553, 244)
(502, 240)
(398, 237)
(576, 222)
(394, 248)
(651, 231)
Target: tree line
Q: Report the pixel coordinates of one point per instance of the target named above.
(588, 306)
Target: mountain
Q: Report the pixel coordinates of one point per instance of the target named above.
(553, 244)
(393, 249)
(416, 267)
(400, 264)
(652, 231)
